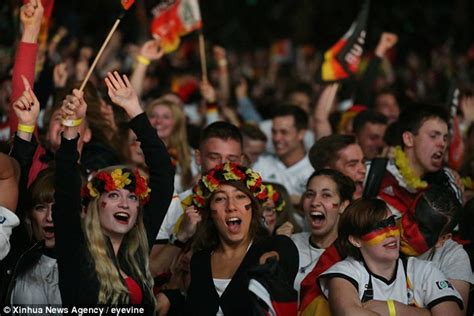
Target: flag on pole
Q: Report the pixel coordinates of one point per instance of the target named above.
(175, 20)
(456, 145)
(126, 4)
(343, 58)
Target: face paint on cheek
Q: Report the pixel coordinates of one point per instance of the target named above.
(103, 204)
(248, 206)
(378, 236)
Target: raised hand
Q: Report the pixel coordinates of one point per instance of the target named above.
(387, 41)
(31, 14)
(74, 106)
(152, 50)
(467, 106)
(208, 92)
(26, 107)
(122, 93)
(188, 227)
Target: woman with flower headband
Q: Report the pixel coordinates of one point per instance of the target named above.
(328, 192)
(105, 261)
(277, 209)
(230, 241)
(373, 280)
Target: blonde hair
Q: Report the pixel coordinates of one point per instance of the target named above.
(178, 139)
(112, 289)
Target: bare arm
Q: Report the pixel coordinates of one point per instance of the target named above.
(9, 174)
(321, 125)
(149, 52)
(463, 288)
(344, 299)
(224, 85)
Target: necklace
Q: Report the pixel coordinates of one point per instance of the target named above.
(401, 161)
(303, 269)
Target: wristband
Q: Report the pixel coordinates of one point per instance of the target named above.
(26, 128)
(71, 123)
(143, 60)
(391, 308)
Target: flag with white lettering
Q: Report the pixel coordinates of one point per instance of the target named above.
(343, 58)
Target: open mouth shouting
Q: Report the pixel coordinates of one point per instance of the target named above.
(48, 232)
(233, 224)
(317, 219)
(437, 159)
(122, 217)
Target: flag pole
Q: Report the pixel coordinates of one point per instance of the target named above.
(202, 55)
(99, 54)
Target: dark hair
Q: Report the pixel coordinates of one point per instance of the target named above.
(300, 117)
(368, 116)
(413, 117)
(325, 151)
(345, 185)
(356, 219)
(221, 130)
(252, 131)
(207, 235)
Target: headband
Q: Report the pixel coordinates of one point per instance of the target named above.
(276, 197)
(119, 178)
(225, 173)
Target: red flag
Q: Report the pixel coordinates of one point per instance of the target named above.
(175, 20)
(343, 58)
(126, 4)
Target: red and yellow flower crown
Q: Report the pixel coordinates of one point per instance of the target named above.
(276, 197)
(225, 173)
(119, 178)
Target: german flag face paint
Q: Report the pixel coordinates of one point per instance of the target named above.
(381, 231)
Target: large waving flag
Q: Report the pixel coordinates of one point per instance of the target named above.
(175, 20)
(312, 301)
(343, 58)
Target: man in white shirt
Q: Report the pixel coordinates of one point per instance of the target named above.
(290, 166)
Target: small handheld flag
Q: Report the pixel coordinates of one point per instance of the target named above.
(175, 20)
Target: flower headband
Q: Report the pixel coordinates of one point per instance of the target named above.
(224, 173)
(276, 197)
(120, 178)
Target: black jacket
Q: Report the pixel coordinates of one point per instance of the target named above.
(77, 277)
(236, 300)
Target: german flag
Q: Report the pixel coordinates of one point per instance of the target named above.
(175, 20)
(312, 302)
(343, 58)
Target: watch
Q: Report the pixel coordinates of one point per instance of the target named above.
(173, 240)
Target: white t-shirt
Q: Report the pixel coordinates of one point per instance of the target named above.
(8, 221)
(425, 287)
(39, 285)
(175, 210)
(452, 260)
(294, 178)
(308, 255)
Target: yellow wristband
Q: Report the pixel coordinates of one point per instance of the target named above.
(143, 60)
(26, 128)
(391, 308)
(71, 123)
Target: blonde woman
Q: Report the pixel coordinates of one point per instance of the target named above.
(167, 116)
(105, 261)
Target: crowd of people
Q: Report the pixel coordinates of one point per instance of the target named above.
(255, 191)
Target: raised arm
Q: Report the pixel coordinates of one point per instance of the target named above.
(321, 124)
(149, 52)
(157, 159)
(31, 14)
